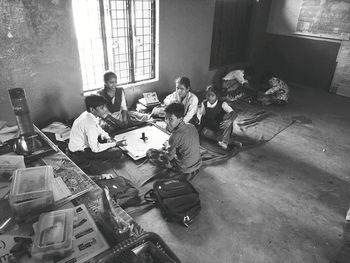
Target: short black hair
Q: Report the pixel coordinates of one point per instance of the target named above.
(176, 108)
(93, 101)
(108, 75)
(212, 88)
(185, 81)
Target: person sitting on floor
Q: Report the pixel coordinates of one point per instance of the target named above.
(211, 116)
(115, 96)
(119, 116)
(183, 95)
(237, 85)
(88, 141)
(183, 150)
(277, 91)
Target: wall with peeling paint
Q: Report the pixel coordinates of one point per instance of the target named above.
(38, 52)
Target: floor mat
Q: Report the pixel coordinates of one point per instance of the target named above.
(255, 125)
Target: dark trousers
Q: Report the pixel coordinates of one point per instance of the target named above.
(177, 170)
(221, 135)
(109, 154)
(94, 163)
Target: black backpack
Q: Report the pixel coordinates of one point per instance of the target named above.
(177, 200)
(121, 191)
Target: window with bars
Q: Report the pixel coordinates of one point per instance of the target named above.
(117, 35)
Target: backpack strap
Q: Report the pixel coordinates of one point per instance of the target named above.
(187, 220)
(150, 197)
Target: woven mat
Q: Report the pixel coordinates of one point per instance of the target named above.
(257, 123)
(254, 125)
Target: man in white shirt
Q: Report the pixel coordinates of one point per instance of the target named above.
(88, 141)
(183, 95)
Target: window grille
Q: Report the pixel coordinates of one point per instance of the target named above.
(117, 35)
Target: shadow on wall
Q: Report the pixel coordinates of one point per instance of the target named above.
(298, 59)
(51, 107)
(310, 62)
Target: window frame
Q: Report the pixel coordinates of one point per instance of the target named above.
(109, 55)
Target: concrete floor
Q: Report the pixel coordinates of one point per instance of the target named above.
(284, 201)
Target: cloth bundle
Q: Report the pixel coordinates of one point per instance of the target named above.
(157, 157)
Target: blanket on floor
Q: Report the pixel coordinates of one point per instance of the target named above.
(256, 123)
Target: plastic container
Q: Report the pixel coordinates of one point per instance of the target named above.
(31, 190)
(9, 164)
(148, 242)
(54, 235)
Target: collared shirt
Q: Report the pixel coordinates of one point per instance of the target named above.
(85, 132)
(190, 102)
(224, 106)
(184, 148)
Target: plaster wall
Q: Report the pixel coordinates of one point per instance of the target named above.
(185, 31)
(306, 60)
(38, 52)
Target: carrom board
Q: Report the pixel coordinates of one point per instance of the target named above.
(137, 147)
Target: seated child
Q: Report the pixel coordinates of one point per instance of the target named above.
(277, 92)
(119, 116)
(88, 141)
(184, 149)
(183, 95)
(211, 118)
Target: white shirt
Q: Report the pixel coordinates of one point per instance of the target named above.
(224, 106)
(85, 132)
(190, 102)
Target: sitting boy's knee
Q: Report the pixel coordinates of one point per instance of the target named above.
(117, 153)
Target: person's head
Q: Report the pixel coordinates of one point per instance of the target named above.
(183, 86)
(211, 93)
(249, 72)
(110, 80)
(174, 114)
(96, 105)
(274, 81)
